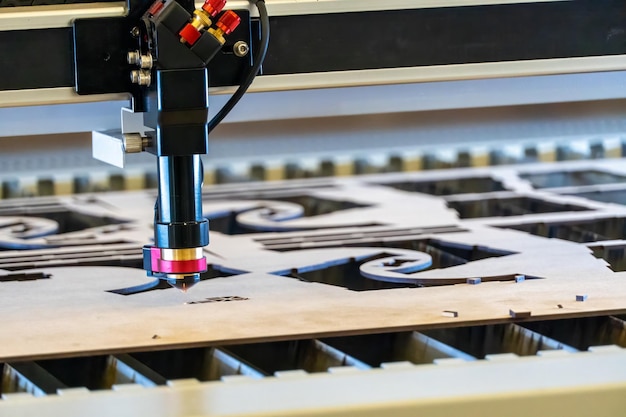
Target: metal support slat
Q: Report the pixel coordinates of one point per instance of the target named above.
(204, 364)
(480, 341)
(584, 332)
(29, 377)
(430, 349)
(232, 366)
(344, 358)
(413, 347)
(307, 355)
(137, 371)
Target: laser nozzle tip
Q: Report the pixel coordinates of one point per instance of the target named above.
(182, 285)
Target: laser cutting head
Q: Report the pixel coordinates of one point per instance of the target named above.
(169, 84)
(177, 101)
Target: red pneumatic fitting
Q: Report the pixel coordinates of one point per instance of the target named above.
(213, 7)
(200, 20)
(189, 34)
(228, 22)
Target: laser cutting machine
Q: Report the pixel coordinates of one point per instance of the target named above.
(389, 185)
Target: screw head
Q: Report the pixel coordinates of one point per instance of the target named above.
(241, 49)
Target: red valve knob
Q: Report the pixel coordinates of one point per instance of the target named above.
(189, 34)
(228, 22)
(213, 7)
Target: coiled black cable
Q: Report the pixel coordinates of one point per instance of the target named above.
(256, 66)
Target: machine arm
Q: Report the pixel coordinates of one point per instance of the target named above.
(177, 112)
(170, 80)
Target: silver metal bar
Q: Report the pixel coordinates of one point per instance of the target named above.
(56, 16)
(363, 78)
(291, 7)
(332, 102)
(59, 95)
(435, 73)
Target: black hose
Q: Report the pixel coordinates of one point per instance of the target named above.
(260, 56)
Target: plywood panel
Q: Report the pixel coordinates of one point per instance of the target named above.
(270, 285)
